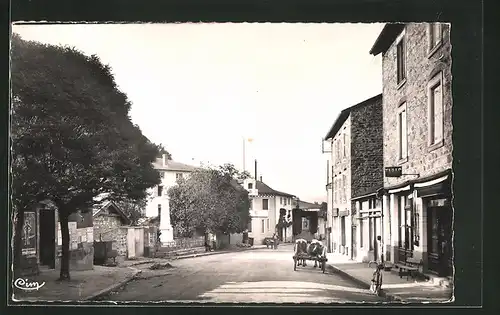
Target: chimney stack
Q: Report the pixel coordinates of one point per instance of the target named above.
(255, 170)
(164, 160)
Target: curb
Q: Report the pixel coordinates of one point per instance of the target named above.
(212, 253)
(114, 286)
(365, 285)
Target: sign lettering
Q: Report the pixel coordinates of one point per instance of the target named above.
(393, 171)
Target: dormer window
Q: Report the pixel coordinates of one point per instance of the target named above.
(250, 185)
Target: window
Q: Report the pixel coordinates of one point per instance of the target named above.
(344, 188)
(159, 211)
(178, 176)
(435, 119)
(435, 36)
(263, 225)
(265, 204)
(160, 190)
(281, 200)
(401, 59)
(162, 174)
(250, 185)
(250, 226)
(268, 225)
(251, 204)
(402, 132)
(336, 189)
(371, 230)
(344, 146)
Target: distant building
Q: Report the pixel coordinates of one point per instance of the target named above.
(158, 204)
(266, 206)
(417, 131)
(355, 175)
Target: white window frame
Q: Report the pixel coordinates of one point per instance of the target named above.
(434, 45)
(178, 175)
(263, 226)
(437, 80)
(344, 146)
(401, 38)
(403, 107)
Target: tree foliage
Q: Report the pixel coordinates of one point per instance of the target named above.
(72, 138)
(210, 200)
(162, 150)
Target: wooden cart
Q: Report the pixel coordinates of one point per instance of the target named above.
(321, 260)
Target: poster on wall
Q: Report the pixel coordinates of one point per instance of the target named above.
(29, 235)
(83, 235)
(59, 235)
(90, 234)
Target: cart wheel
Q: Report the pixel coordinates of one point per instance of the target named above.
(323, 266)
(294, 264)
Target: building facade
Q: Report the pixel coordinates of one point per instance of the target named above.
(158, 204)
(417, 134)
(355, 173)
(266, 206)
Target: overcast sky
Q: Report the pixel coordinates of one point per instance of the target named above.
(199, 89)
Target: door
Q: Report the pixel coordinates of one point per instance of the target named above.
(354, 245)
(47, 238)
(440, 241)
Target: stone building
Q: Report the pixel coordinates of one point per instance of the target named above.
(417, 134)
(109, 223)
(356, 173)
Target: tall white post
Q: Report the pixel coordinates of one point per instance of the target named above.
(167, 232)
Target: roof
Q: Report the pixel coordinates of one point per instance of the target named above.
(386, 37)
(173, 166)
(307, 205)
(99, 207)
(346, 112)
(263, 189)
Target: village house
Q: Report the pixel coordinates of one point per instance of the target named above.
(354, 177)
(112, 225)
(307, 222)
(266, 207)
(158, 204)
(417, 135)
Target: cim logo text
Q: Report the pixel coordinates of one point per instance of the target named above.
(26, 285)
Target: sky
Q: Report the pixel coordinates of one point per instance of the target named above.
(203, 89)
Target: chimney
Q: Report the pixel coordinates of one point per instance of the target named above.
(164, 160)
(255, 175)
(261, 178)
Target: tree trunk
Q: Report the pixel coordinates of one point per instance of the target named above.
(18, 242)
(63, 220)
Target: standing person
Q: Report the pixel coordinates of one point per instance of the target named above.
(275, 241)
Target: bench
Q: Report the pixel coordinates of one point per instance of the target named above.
(409, 268)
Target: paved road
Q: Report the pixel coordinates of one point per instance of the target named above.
(263, 275)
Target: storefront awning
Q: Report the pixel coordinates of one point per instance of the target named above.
(393, 191)
(438, 186)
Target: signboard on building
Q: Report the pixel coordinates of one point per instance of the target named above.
(393, 171)
(29, 235)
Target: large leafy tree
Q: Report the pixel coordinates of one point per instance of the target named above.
(210, 200)
(72, 138)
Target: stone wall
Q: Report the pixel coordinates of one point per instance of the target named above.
(421, 68)
(81, 247)
(367, 148)
(109, 227)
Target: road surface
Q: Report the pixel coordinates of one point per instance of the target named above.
(254, 276)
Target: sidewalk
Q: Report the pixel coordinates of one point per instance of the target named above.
(393, 288)
(84, 285)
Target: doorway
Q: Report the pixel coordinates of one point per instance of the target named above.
(439, 222)
(48, 238)
(354, 245)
